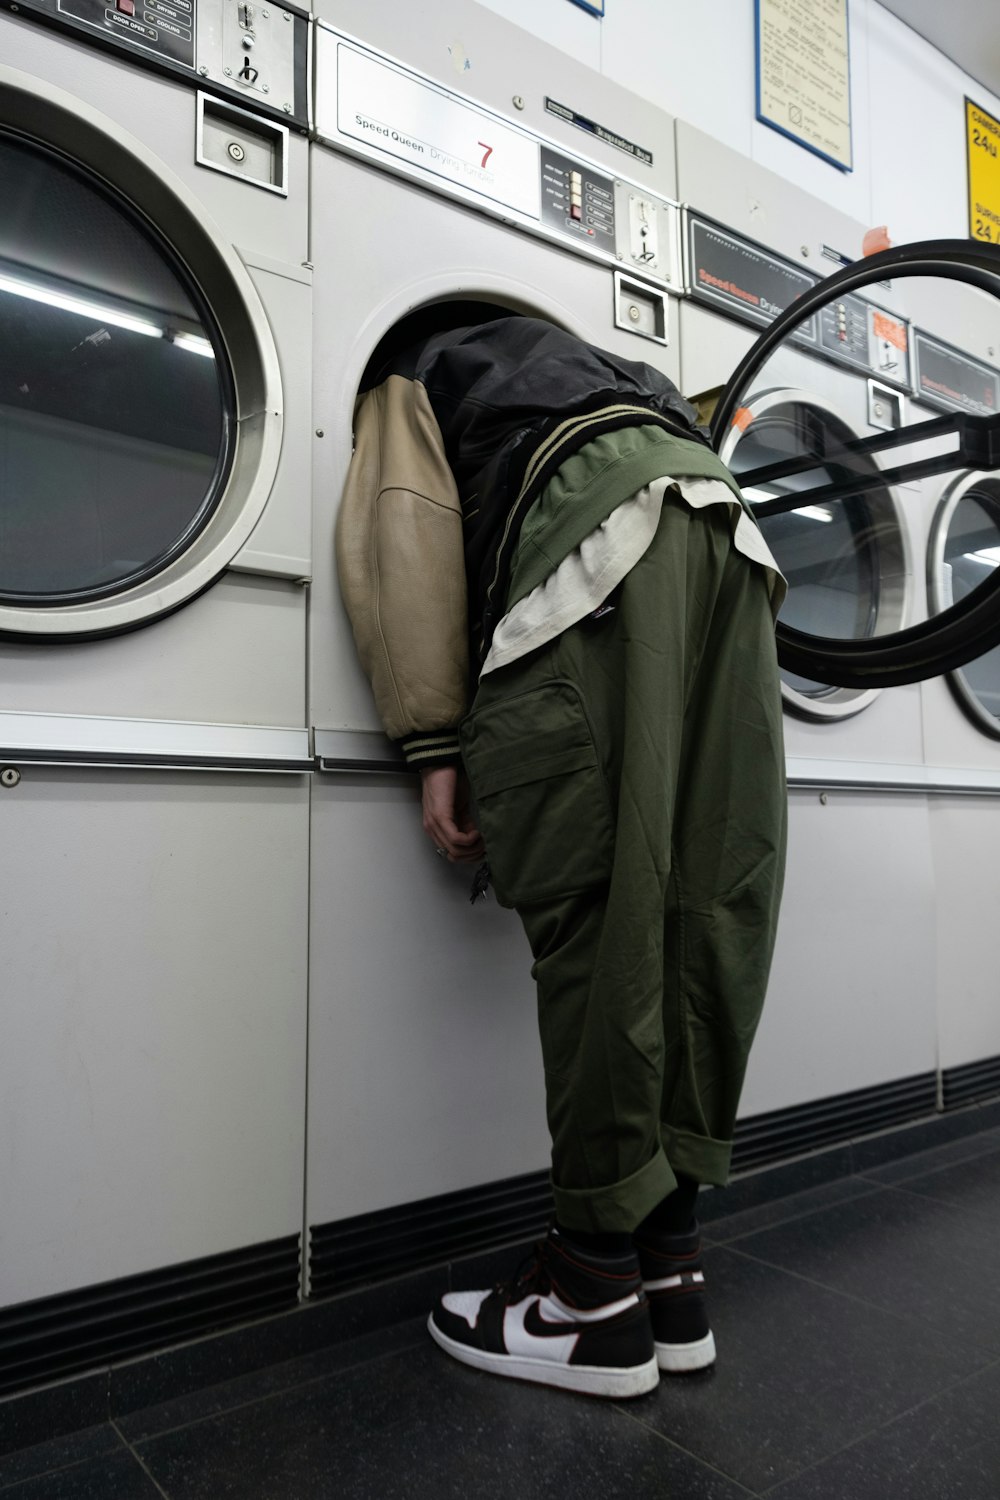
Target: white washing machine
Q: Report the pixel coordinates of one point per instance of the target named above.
(852, 1001)
(443, 190)
(832, 424)
(957, 339)
(155, 314)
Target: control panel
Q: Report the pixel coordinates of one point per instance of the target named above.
(951, 380)
(752, 283)
(372, 106)
(255, 52)
(867, 338)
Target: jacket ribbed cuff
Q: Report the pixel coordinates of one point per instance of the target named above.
(438, 747)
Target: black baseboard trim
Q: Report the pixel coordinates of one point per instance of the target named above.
(53, 1337)
(971, 1083)
(467, 1232)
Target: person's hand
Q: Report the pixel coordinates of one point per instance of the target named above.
(448, 820)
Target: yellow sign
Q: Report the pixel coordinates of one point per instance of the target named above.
(983, 150)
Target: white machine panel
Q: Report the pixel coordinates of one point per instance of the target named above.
(424, 1064)
(153, 1067)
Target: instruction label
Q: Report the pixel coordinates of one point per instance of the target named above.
(804, 75)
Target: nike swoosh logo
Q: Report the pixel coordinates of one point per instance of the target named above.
(542, 1340)
(540, 1328)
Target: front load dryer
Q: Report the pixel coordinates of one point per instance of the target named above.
(154, 547)
(443, 194)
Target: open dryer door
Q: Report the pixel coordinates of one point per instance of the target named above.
(847, 512)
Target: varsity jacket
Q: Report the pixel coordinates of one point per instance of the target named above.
(454, 442)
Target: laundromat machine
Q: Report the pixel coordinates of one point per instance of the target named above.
(155, 542)
(258, 1044)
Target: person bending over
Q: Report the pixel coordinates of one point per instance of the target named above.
(564, 605)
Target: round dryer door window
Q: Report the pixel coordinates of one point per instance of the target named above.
(140, 400)
(964, 553)
(845, 562)
(868, 394)
(116, 408)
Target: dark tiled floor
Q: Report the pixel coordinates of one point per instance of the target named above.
(858, 1327)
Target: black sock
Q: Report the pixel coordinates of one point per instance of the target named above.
(608, 1244)
(675, 1213)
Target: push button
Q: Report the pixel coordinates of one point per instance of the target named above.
(125, 7)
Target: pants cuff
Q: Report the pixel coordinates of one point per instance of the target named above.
(618, 1207)
(698, 1156)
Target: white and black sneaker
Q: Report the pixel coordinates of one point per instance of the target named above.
(674, 1283)
(568, 1318)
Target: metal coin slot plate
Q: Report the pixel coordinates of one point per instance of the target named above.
(641, 309)
(885, 407)
(241, 144)
(253, 51)
(246, 45)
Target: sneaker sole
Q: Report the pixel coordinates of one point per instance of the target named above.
(589, 1380)
(678, 1359)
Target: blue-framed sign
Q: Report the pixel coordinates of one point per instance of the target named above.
(804, 75)
(596, 7)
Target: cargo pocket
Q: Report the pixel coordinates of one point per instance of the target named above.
(543, 801)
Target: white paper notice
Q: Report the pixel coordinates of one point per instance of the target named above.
(803, 73)
(396, 113)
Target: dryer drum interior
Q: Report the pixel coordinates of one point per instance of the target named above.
(140, 396)
(964, 553)
(116, 402)
(844, 561)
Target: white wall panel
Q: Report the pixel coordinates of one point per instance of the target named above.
(568, 27)
(691, 60)
(917, 136)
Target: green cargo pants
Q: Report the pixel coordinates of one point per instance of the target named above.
(629, 778)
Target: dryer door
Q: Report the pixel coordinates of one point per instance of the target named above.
(844, 504)
(140, 400)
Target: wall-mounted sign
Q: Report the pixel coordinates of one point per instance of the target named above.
(982, 149)
(596, 7)
(804, 75)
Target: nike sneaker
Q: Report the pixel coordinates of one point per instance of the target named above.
(568, 1318)
(674, 1283)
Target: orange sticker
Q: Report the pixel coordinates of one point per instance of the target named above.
(743, 418)
(887, 328)
(875, 240)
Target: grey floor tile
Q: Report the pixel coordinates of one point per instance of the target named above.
(59, 1453)
(420, 1426)
(972, 1185)
(948, 1449)
(780, 1210)
(290, 1375)
(900, 1252)
(115, 1477)
(801, 1373)
(965, 1149)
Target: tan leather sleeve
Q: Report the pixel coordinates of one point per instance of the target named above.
(401, 562)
